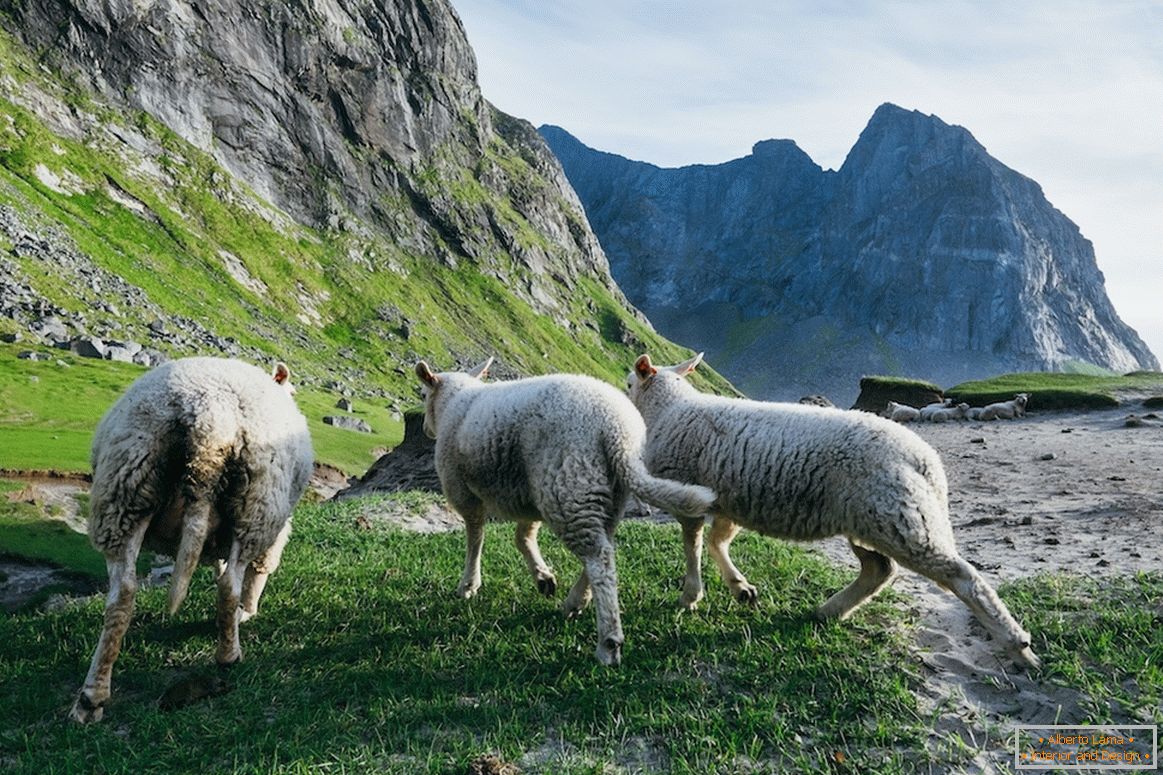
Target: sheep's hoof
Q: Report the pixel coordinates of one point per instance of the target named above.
(85, 711)
(245, 615)
(465, 592)
(229, 658)
(747, 594)
(547, 586)
(689, 602)
(610, 652)
(1028, 659)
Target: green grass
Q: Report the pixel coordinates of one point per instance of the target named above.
(363, 660)
(25, 532)
(1101, 637)
(1056, 390)
(49, 410)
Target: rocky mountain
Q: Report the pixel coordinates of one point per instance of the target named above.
(921, 256)
(319, 180)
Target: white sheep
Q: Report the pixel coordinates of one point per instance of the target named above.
(929, 410)
(565, 449)
(794, 471)
(1006, 410)
(202, 458)
(901, 413)
(958, 412)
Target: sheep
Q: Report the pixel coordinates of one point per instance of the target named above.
(927, 411)
(974, 413)
(901, 413)
(797, 472)
(201, 458)
(958, 412)
(565, 449)
(1006, 410)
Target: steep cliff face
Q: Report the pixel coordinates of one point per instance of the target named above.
(319, 181)
(922, 255)
(344, 114)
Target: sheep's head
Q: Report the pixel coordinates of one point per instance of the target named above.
(645, 375)
(1021, 399)
(282, 377)
(436, 387)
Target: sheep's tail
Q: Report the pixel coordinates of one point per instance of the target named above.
(204, 471)
(681, 500)
(195, 527)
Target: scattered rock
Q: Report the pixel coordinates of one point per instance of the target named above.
(817, 401)
(11, 338)
(348, 423)
(491, 764)
(410, 466)
(88, 347)
(32, 355)
(977, 440)
(344, 404)
(1049, 456)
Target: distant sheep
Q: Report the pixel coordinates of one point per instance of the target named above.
(1006, 410)
(204, 459)
(564, 449)
(958, 412)
(901, 413)
(799, 472)
(928, 410)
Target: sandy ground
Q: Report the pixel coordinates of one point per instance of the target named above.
(1074, 492)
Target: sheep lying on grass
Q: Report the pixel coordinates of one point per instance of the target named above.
(202, 458)
(799, 472)
(564, 449)
(1006, 410)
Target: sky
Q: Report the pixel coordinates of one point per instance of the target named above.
(1067, 93)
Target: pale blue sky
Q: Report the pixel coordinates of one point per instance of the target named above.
(1067, 93)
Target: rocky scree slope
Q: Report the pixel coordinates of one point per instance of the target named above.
(922, 256)
(318, 181)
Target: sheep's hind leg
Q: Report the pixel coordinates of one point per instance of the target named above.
(258, 571)
(951, 571)
(229, 596)
(526, 540)
(474, 530)
(579, 596)
(90, 703)
(590, 538)
(723, 531)
(692, 545)
(876, 571)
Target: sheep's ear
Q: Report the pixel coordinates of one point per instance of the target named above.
(281, 373)
(644, 368)
(424, 372)
(686, 368)
(482, 371)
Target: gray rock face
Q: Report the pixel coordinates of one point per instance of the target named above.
(348, 115)
(922, 255)
(347, 423)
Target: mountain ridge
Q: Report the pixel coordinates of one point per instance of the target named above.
(921, 255)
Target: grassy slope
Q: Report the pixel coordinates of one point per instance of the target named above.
(48, 412)
(195, 211)
(364, 660)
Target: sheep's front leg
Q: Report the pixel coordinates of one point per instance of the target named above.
(229, 595)
(470, 580)
(723, 531)
(90, 703)
(692, 545)
(258, 571)
(526, 540)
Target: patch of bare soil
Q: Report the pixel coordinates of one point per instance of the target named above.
(1076, 492)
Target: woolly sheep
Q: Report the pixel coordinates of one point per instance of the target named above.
(958, 412)
(798, 472)
(1006, 410)
(928, 410)
(202, 458)
(901, 413)
(565, 449)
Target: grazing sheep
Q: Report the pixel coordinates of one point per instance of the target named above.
(565, 449)
(1006, 410)
(901, 413)
(202, 458)
(958, 412)
(798, 472)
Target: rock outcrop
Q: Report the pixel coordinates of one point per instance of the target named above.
(922, 255)
(346, 115)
